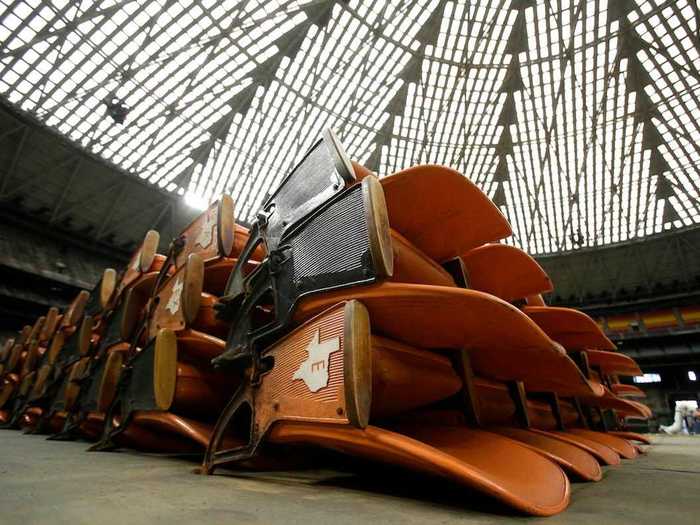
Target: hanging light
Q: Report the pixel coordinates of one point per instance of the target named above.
(116, 109)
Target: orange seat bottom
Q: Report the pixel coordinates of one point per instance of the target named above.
(632, 436)
(487, 462)
(574, 460)
(623, 447)
(604, 454)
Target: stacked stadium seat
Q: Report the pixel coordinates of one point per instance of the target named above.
(379, 318)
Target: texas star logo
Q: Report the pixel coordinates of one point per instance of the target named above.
(205, 235)
(174, 302)
(314, 371)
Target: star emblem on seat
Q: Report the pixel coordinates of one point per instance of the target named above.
(174, 301)
(206, 233)
(314, 370)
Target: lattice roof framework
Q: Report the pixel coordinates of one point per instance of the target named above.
(579, 118)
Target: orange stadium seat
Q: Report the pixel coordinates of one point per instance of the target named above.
(621, 323)
(690, 315)
(659, 319)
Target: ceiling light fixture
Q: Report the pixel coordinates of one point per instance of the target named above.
(116, 109)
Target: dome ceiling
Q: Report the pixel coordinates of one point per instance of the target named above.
(578, 118)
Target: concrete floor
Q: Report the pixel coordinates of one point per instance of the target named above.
(59, 483)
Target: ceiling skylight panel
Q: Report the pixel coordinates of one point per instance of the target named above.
(450, 116)
(13, 21)
(24, 10)
(172, 139)
(7, 79)
(45, 66)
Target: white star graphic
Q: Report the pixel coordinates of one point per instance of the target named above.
(174, 302)
(314, 371)
(205, 235)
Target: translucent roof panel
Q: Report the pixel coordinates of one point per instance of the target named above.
(578, 118)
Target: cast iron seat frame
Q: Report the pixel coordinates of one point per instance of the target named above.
(321, 230)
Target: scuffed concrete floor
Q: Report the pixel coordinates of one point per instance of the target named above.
(59, 483)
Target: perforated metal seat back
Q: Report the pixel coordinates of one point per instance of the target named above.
(331, 250)
(323, 172)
